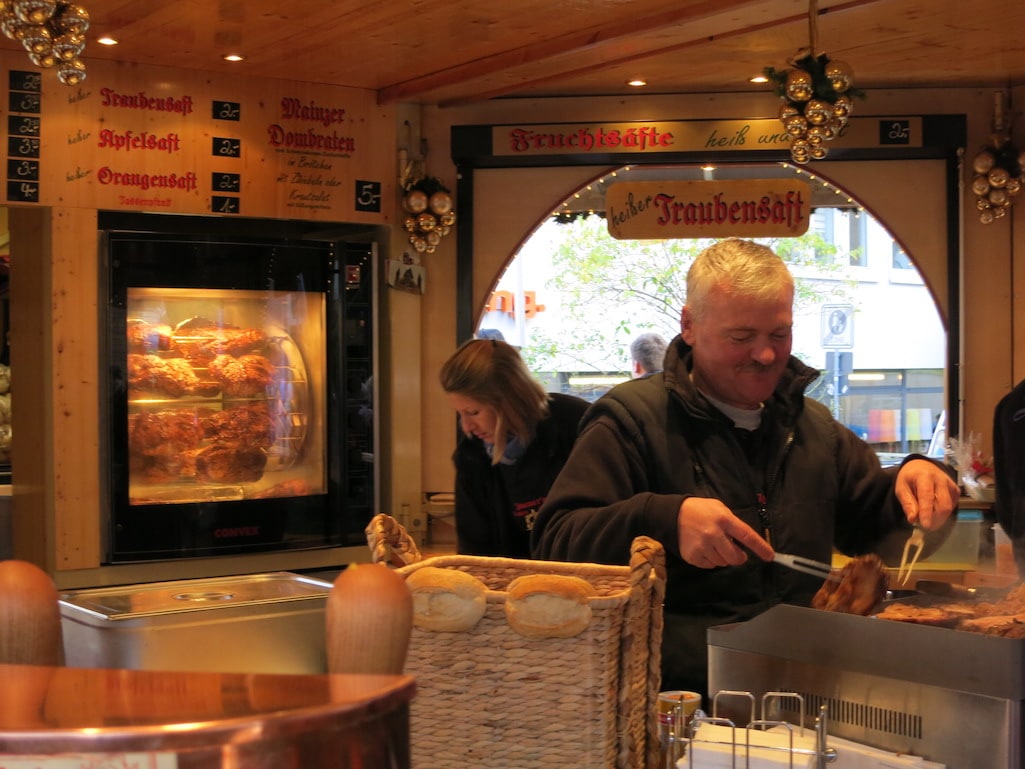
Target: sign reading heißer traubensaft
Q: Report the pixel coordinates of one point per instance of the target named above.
(707, 209)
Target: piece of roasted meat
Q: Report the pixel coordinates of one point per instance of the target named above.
(1004, 618)
(862, 585)
(146, 337)
(230, 464)
(172, 377)
(159, 443)
(250, 424)
(245, 376)
(160, 433)
(201, 340)
(937, 616)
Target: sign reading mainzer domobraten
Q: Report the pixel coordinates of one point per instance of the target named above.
(707, 209)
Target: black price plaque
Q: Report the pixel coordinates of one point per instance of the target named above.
(224, 147)
(24, 100)
(226, 110)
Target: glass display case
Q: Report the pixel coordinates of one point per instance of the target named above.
(239, 384)
(222, 387)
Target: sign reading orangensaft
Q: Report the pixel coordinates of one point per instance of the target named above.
(707, 209)
(156, 139)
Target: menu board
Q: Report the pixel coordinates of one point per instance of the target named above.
(135, 138)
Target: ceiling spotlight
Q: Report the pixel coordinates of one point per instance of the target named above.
(759, 79)
(107, 40)
(233, 57)
(636, 82)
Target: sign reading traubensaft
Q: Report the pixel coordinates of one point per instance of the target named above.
(137, 138)
(707, 209)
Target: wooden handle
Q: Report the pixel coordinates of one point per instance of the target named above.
(369, 621)
(30, 623)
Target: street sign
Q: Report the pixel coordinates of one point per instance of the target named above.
(838, 326)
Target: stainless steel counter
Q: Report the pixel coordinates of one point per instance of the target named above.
(947, 695)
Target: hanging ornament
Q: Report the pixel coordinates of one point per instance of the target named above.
(37, 39)
(998, 173)
(52, 32)
(816, 94)
(34, 11)
(440, 203)
(430, 213)
(415, 201)
(71, 72)
(71, 18)
(68, 46)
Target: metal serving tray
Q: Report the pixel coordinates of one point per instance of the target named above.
(947, 695)
(257, 623)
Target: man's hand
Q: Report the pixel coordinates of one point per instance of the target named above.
(927, 494)
(709, 535)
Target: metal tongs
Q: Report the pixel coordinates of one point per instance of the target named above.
(806, 565)
(916, 541)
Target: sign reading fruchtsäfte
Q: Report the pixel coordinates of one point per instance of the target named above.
(707, 209)
(704, 136)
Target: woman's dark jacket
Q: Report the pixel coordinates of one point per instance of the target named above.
(496, 504)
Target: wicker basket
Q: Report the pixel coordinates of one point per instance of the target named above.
(491, 698)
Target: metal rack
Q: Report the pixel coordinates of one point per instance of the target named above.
(821, 752)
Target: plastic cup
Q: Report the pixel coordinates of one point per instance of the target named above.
(1004, 551)
(676, 710)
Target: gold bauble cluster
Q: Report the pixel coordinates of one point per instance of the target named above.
(997, 178)
(817, 101)
(430, 215)
(52, 32)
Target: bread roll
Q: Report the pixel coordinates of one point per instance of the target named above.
(549, 605)
(446, 600)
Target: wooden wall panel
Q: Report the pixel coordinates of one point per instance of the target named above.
(55, 458)
(141, 138)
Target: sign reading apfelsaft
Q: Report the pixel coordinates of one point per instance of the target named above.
(152, 139)
(707, 209)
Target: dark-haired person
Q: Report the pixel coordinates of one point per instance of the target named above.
(514, 439)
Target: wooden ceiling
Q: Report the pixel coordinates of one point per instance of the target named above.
(462, 51)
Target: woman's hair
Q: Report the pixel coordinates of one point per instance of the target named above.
(748, 269)
(493, 374)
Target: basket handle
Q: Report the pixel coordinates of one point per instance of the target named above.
(647, 593)
(389, 542)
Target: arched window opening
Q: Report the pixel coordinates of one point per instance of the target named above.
(573, 298)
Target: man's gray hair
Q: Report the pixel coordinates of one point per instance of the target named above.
(649, 349)
(745, 267)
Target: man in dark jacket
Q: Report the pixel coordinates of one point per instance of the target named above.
(1008, 462)
(723, 460)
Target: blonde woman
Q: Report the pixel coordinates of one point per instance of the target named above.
(515, 437)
